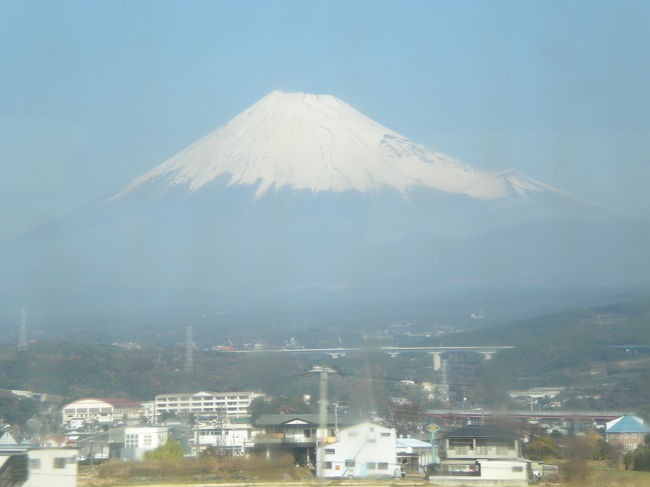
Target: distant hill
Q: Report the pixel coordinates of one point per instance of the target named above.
(626, 323)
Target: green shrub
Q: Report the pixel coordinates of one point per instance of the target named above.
(172, 450)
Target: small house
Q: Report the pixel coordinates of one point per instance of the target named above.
(481, 455)
(363, 450)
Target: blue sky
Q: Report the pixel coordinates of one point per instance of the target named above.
(95, 93)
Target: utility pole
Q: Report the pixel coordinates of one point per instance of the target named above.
(321, 434)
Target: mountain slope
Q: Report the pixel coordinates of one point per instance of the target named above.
(320, 143)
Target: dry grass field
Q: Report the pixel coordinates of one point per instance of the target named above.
(230, 473)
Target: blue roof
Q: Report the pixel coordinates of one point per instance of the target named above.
(628, 424)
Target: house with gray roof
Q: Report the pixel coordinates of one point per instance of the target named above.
(295, 434)
(481, 455)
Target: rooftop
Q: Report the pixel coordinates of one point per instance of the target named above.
(475, 431)
(308, 418)
(627, 424)
(412, 443)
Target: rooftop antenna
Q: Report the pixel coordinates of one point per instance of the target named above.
(22, 332)
(189, 349)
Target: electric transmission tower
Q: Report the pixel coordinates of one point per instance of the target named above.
(189, 351)
(22, 332)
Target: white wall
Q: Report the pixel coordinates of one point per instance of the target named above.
(141, 439)
(504, 470)
(371, 447)
(52, 467)
(232, 437)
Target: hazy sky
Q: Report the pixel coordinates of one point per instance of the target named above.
(96, 93)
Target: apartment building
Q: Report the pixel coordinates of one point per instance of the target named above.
(205, 404)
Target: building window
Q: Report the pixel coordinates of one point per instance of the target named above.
(34, 463)
(371, 465)
(517, 469)
(384, 434)
(330, 451)
(307, 433)
(59, 463)
(328, 465)
(146, 440)
(349, 463)
(382, 466)
(131, 441)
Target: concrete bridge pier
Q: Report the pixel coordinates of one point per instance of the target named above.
(437, 361)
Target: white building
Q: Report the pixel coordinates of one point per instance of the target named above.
(205, 404)
(148, 412)
(103, 411)
(363, 450)
(230, 438)
(52, 467)
(38, 467)
(131, 442)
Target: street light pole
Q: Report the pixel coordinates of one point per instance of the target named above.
(321, 434)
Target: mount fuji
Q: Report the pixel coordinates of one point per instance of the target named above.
(321, 144)
(301, 199)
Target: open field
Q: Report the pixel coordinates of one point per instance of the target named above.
(600, 475)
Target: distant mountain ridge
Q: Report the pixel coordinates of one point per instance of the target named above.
(302, 200)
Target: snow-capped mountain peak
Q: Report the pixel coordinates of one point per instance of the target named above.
(320, 143)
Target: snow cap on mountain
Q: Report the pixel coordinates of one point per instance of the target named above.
(320, 143)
